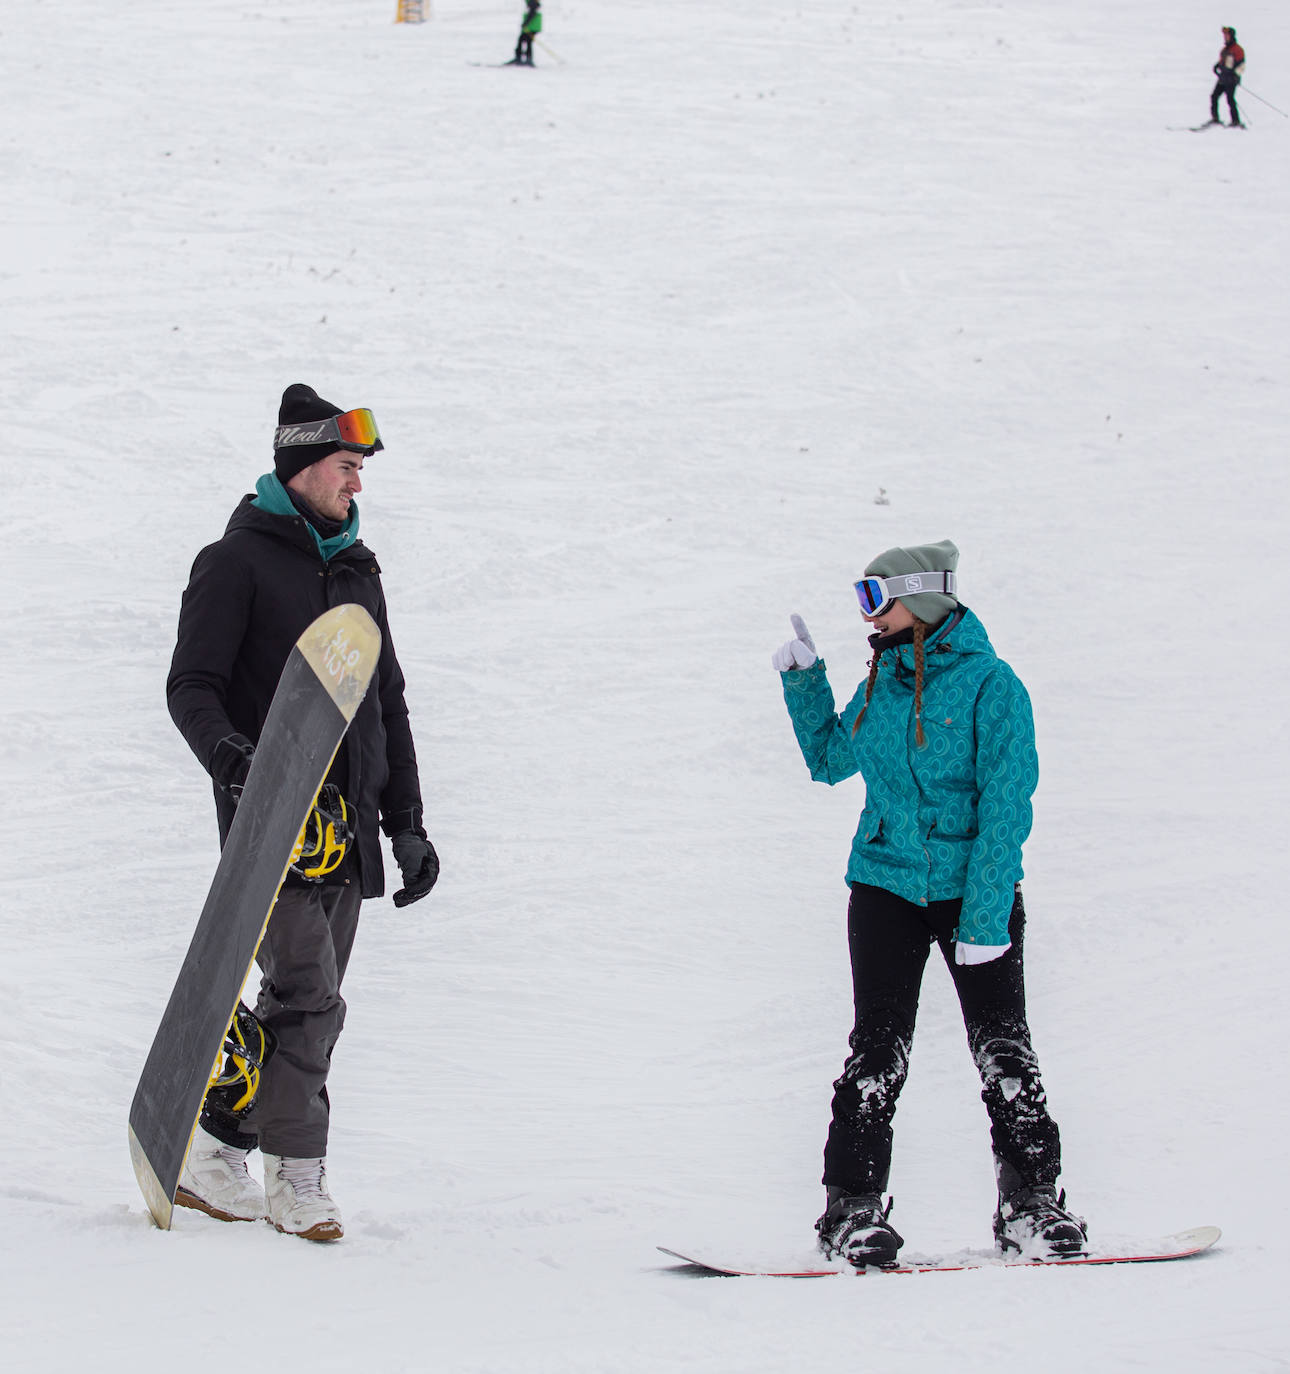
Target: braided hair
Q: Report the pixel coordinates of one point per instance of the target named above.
(920, 658)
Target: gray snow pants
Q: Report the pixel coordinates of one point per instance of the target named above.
(302, 961)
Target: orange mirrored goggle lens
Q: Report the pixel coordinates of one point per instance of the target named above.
(355, 430)
(358, 427)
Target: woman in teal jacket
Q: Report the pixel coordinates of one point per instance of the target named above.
(943, 736)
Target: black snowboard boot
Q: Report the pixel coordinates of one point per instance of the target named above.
(1032, 1218)
(855, 1228)
(1034, 1221)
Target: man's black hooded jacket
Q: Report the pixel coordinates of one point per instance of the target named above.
(249, 598)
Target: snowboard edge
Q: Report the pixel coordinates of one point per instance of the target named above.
(1181, 1245)
(159, 1202)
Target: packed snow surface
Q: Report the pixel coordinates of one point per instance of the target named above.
(666, 338)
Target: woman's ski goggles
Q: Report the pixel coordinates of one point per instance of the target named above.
(877, 593)
(355, 431)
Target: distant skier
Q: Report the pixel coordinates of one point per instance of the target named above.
(290, 553)
(1228, 69)
(530, 27)
(943, 736)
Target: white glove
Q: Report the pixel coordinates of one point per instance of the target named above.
(979, 954)
(797, 653)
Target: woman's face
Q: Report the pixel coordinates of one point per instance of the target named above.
(895, 617)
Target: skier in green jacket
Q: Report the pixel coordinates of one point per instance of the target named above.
(530, 27)
(943, 736)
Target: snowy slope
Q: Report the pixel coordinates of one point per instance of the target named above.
(647, 331)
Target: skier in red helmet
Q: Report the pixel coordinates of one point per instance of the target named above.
(1228, 69)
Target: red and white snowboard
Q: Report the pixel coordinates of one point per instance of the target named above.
(1179, 1246)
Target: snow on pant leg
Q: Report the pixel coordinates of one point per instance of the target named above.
(993, 999)
(302, 958)
(889, 940)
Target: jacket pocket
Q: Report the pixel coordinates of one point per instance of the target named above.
(956, 819)
(870, 825)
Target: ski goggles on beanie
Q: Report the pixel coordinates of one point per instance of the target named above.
(355, 430)
(877, 593)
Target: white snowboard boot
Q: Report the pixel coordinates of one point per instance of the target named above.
(299, 1203)
(215, 1181)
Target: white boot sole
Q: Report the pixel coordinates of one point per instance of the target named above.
(183, 1198)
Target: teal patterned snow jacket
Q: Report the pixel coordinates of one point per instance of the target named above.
(947, 820)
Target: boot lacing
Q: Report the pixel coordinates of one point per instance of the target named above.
(234, 1158)
(306, 1177)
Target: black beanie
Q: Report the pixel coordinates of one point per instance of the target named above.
(300, 404)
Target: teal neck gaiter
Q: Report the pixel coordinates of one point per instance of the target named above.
(271, 496)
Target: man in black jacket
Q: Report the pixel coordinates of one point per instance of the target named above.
(289, 553)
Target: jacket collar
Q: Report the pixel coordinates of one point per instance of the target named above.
(957, 636)
(273, 498)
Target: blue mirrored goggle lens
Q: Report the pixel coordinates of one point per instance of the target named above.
(872, 592)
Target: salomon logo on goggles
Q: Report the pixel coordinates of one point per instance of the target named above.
(355, 430)
(877, 593)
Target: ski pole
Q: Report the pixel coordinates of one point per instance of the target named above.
(1268, 103)
(550, 53)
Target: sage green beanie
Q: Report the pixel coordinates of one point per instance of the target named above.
(932, 607)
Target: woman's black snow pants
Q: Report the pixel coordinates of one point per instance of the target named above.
(890, 941)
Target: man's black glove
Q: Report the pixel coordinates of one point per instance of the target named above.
(418, 863)
(231, 762)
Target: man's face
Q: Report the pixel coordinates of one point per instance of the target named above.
(330, 484)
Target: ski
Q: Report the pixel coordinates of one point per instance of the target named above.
(322, 685)
(1175, 1247)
